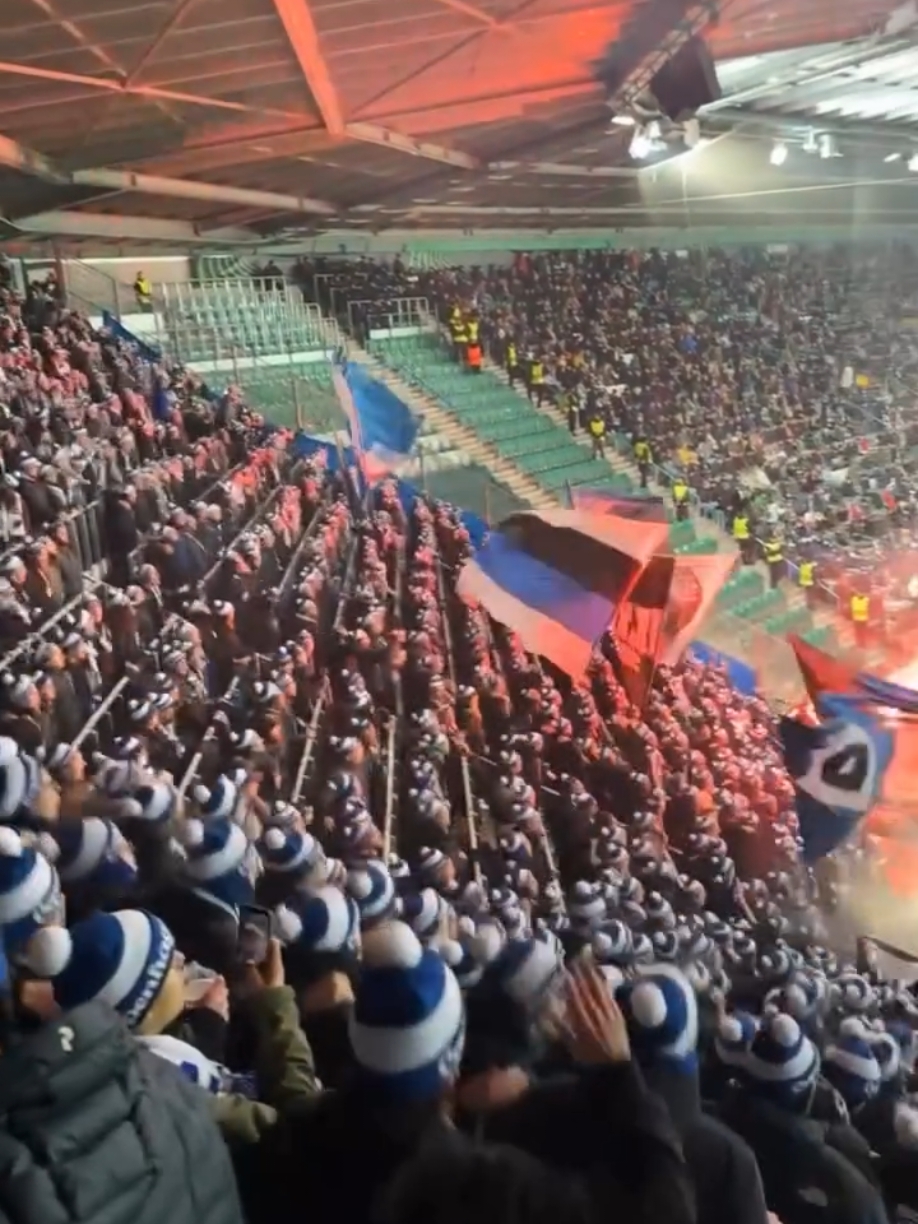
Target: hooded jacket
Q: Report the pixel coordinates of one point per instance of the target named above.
(95, 1129)
(728, 1186)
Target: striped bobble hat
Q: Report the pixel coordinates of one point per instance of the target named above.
(121, 959)
(373, 889)
(30, 892)
(665, 946)
(888, 1053)
(734, 1037)
(283, 849)
(659, 911)
(157, 802)
(422, 911)
(219, 801)
(850, 1066)
(586, 906)
(319, 920)
(782, 1063)
(217, 861)
(612, 943)
(430, 861)
(93, 851)
(527, 971)
(407, 1027)
(642, 952)
(853, 993)
(14, 778)
(460, 956)
(662, 1014)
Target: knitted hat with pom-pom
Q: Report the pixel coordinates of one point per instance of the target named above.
(217, 853)
(30, 891)
(850, 1066)
(612, 943)
(408, 1023)
(288, 850)
(527, 971)
(888, 1053)
(319, 920)
(219, 801)
(423, 911)
(662, 1015)
(373, 889)
(157, 803)
(121, 959)
(460, 956)
(734, 1037)
(94, 852)
(14, 778)
(782, 1063)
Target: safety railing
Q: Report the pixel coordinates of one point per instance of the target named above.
(84, 283)
(373, 318)
(465, 775)
(210, 733)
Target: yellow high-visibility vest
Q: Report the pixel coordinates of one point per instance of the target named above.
(805, 577)
(741, 527)
(860, 608)
(642, 452)
(511, 355)
(460, 335)
(680, 492)
(773, 551)
(597, 427)
(537, 373)
(473, 331)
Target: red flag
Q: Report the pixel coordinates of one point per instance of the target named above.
(821, 672)
(697, 581)
(638, 626)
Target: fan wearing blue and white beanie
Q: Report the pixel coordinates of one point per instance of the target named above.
(126, 959)
(408, 1025)
(30, 893)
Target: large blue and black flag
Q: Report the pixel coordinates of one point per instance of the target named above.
(837, 769)
(556, 577)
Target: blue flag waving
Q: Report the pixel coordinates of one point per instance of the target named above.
(383, 428)
(837, 769)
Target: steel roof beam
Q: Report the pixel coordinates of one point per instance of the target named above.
(300, 28)
(372, 133)
(151, 92)
(34, 164)
(191, 189)
(131, 229)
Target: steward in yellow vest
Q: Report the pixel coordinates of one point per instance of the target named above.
(681, 500)
(774, 559)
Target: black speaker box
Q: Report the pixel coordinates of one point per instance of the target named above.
(686, 82)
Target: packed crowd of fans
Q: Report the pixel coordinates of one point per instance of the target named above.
(714, 365)
(319, 895)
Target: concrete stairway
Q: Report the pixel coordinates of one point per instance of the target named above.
(448, 425)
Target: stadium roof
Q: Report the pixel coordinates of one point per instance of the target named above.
(223, 120)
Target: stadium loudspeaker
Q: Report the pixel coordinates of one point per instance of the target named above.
(687, 81)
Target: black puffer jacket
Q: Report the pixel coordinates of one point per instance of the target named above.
(95, 1129)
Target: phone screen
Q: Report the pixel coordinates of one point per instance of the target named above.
(254, 934)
